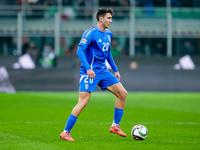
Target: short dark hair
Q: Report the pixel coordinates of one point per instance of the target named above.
(102, 12)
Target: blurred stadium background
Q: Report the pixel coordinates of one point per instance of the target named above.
(156, 44)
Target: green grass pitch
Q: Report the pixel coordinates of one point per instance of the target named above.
(34, 120)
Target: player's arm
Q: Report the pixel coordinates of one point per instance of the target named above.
(84, 61)
(113, 66)
(81, 55)
(84, 43)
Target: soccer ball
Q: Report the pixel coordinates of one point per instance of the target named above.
(139, 132)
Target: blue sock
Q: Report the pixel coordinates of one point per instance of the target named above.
(118, 115)
(70, 123)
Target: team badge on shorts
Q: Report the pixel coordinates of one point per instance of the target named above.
(86, 86)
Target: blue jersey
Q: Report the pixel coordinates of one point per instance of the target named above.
(94, 50)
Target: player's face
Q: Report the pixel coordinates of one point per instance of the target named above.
(107, 20)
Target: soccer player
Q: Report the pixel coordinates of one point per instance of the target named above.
(93, 51)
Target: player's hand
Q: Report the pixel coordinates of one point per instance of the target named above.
(117, 75)
(91, 74)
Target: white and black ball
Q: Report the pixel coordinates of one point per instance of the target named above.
(139, 132)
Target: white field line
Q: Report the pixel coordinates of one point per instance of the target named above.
(99, 123)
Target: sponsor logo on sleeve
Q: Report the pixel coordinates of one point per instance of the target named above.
(83, 41)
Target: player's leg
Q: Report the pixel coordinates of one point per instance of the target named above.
(111, 83)
(84, 98)
(86, 86)
(121, 95)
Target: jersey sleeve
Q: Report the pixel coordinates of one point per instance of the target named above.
(111, 62)
(82, 57)
(87, 38)
(83, 45)
(110, 58)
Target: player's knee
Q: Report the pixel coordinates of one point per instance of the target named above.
(85, 102)
(123, 94)
(84, 99)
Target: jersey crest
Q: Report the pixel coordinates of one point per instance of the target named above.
(109, 38)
